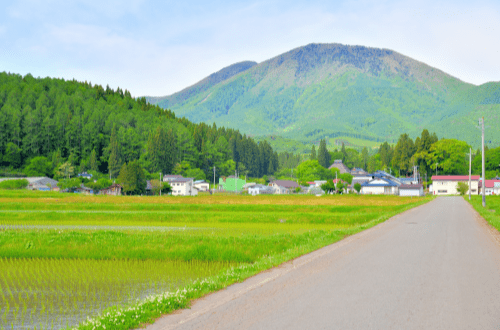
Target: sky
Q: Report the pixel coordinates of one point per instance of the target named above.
(156, 48)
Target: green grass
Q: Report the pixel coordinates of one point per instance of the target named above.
(255, 233)
(492, 211)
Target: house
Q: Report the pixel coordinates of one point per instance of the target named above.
(411, 190)
(492, 187)
(149, 188)
(379, 185)
(358, 171)
(183, 186)
(247, 185)
(231, 184)
(260, 189)
(284, 186)
(201, 185)
(84, 190)
(85, 175)
(42, 183)
(340, 166)
(113, 190)
(170, 177)
(361, 178)
(447, 184)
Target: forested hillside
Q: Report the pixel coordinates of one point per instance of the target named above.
(52, 121)
(330, 90)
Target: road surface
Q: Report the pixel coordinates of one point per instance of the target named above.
(434, 267)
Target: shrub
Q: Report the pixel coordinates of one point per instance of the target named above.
(14, 184)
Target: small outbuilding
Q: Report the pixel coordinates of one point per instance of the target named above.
(411, 190)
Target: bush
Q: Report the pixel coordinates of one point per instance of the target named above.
(462, 188)
(14, 184)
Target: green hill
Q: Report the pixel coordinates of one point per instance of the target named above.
(333, 90)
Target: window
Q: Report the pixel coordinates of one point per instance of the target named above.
(442, 191)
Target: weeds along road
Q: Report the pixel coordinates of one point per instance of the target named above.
(434, 267)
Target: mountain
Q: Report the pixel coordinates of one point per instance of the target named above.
(338, 91)
(203, 85)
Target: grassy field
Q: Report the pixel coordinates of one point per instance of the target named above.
(197, 244)
(492, 211)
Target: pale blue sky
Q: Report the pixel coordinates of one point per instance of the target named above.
(160, 47)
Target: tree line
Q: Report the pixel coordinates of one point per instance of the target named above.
(46, 123)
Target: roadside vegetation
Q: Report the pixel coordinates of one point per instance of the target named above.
(491, 212)
(195, 245)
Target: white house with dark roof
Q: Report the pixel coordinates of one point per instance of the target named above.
(202, 185)
(182, 186)
(260, 189)
(284, 186)
(379, 185)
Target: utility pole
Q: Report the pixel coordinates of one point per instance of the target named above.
(235, 182)
(160, 184)
(482, 156)
(470, 168)
(437, 168)
(214, 179)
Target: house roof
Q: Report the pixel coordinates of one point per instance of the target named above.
(200, 181)
(454, 177)
(171, 176)
(286, 183)
(491, 183)
(411, 186)
(181, 179)
(388, 183)
(337, 163)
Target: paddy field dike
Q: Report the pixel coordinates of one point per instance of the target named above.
(103, 262)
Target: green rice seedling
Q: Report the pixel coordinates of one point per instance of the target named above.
(72, 287)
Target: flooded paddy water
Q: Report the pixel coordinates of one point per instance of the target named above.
(57, 293)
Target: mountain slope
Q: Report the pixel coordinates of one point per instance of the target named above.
(203, 85)
(331, 90)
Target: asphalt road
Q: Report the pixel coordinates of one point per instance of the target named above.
(433, 267)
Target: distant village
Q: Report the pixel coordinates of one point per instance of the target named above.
(364, 183)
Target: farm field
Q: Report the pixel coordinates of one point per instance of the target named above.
(492, 211)
(65, 257)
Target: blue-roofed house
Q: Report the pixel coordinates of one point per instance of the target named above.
(379, 185)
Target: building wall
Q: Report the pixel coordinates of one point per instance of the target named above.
(183, 189)
(202, 186)
(372, 190)
(232, 184)
(448, 187)
(411, 192)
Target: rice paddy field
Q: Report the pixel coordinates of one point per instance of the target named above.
(102, 262)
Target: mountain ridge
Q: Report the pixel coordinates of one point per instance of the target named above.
(329, 90)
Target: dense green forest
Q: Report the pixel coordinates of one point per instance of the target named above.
(47, 123)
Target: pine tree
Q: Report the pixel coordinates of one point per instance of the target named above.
(313, 153)
(93, 161)
(114, 162)
(323, 154)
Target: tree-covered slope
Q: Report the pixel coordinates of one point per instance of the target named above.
(202, 86)
(331, 90)
(100, 129)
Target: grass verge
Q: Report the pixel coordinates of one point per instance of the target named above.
(491, 212)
